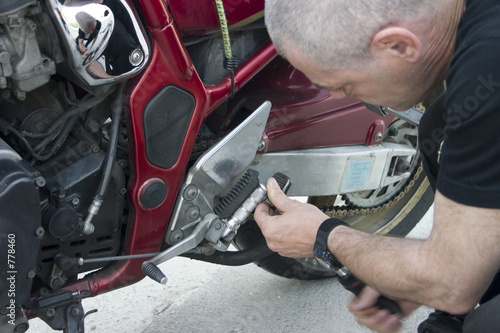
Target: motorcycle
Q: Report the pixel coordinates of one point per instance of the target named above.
(132, 132)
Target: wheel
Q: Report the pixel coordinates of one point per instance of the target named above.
(391, 210)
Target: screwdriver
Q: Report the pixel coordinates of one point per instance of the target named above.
(354, 285)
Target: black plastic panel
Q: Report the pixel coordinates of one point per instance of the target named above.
(166, 120)
(19, 220)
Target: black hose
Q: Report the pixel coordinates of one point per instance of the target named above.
(116, 112)
(61, 138)
(82, 107)
(234, 258)
(25, 143)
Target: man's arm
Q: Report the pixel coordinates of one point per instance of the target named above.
(449, 271)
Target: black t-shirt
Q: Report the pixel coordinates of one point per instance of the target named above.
(470, 156)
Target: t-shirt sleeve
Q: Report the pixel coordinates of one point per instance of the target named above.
(470, 155)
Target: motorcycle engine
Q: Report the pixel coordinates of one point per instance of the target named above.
(28, 55)
(53, 141)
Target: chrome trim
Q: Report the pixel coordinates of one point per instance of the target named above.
(116, 52)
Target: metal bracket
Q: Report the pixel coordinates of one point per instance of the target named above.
(214, 172)
(412, 115)
(150, 267)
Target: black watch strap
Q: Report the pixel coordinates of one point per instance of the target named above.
(321, 245)
(324, 231)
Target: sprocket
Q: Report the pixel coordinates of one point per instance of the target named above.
(399, 132)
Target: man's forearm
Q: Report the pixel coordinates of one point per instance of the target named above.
(449, 271)
(390, 265)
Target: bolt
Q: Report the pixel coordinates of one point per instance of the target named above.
(193, 213)
(75, 312)
(393, 131)
(56, 282)
(39, 232)
(136, 57)
(44, 291)
(50, 312)
(378, 136)
(75, 202)
(191, 192)
(261, 146)
(95, 149)
(21, 95)
(177, 236)
(218, 226)
(21, 328)
(31, 274)
(40, 181)
(402, 166)
(4, 311)
(6, 94)
(123, 190)
(38, 269)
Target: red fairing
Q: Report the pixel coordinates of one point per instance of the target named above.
(304, 116)
(195, 17)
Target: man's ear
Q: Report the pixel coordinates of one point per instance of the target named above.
(397, 42)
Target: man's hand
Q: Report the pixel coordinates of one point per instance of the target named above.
(293, 232)
(369, 315)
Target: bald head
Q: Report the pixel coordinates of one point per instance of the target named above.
(337, 34)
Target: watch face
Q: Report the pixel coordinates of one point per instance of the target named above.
(323, 263)
(325, 259)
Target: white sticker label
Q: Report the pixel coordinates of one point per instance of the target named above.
(357, 174)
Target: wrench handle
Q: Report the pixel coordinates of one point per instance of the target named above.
(351, 283)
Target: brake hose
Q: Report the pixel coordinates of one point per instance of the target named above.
(116, 112)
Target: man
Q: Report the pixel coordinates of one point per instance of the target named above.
(87, 33)
(393, 53)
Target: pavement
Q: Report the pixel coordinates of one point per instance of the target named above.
(208, 298)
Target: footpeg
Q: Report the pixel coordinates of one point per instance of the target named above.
(283, 181)
(259, 194)
(152, 271)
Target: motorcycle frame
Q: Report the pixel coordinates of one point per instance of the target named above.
(302, 124)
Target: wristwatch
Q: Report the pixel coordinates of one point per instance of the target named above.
(321, 252)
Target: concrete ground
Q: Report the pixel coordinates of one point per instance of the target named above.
(202, 297)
